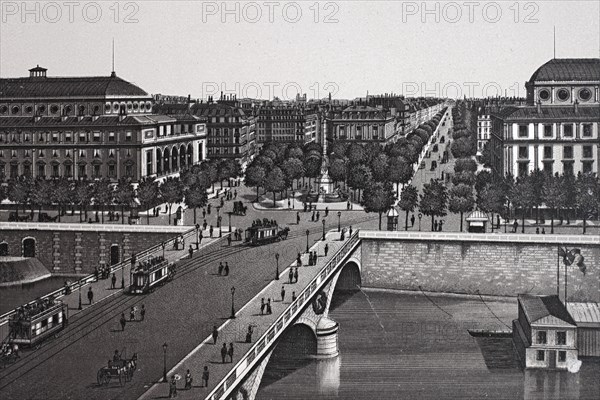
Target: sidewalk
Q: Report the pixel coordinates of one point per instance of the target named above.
(234, 330)
(265, 203)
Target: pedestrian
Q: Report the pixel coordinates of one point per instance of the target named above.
(132, 314)
(543, 231)
(210, 231)
(326, 249)
(291, 275)
(343, 234)
(123, 321)
(293, 296)
(435, 225)
(205, 374)
(298, 218)
(515, 226)
(96, 274)
(229, 240)
(412, 220)
(204, 213)
(15, 350)
(90, 295)
(142, 313)
(215, 334)
(441, 223)
(296, 274)
(230, 352)
(220, 268)
(188, 380)
(200, 237)
(113, 281)
(224, 352)
(348, 205)
(312, 217)
(289, 204)
(208, 209)
(173, 387)
(191, 251)
(350, 231)
(282, 294)
(235, 194)
(537, 230)
(204, 225)
(176, 244)
(269, 310)
(226, 268)
(318, 216)
(262, 306)
(326, 212)
(299, 260)
(182, 243)
(249, 334)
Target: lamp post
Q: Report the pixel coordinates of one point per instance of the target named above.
(277, 268)
(229, 214)
(165, 362)
(323, 229)
(163, 245)
(307, 233)
(197, 236)
(80, 307)
(420, 216)
(339, 216)
(232, 307)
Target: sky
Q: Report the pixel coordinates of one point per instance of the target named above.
(263, 49)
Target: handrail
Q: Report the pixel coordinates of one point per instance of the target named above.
(58, 293)
(270, 335)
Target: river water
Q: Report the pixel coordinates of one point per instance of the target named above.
(402, 346)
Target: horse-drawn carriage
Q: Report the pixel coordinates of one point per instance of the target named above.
(121, 369)
(239, 208)
(265, 231)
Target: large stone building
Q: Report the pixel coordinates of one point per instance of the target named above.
(557, 131)
(280, 123)
(91, 127)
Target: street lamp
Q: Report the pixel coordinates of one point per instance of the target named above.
(163, 245)
(80, 307)
(197, 236)
(323, 229)
(339, 215)
(277, 268)
(165, 362)
(307, 233)
(420, 216)
(232, 307)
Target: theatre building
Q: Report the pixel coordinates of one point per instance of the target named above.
(91, 127)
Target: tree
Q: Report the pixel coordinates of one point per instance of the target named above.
(465, 177)
(196, 197)
(355, 153)
(41, 195)
(61, 194)
(147, 193)
(294, 170)
(296, 153)
(223, 171)
(379, 197)
(171, 191)
(103, 194)
(433, 200)
(338, 170)
(210, 168)
(408, 201)
(465, 164)
(359, 178)
(19, 192)
(486, 155)
(570, 198)
(537, 179)
(553, 196)
(255, 176)
(338, 149)
(234, 169)
(461, 201)
(399, 172)
(312, 166)
(588, 196)
(492, 199)
(84, 192)
(380, 168)
(275, 182)
(462, 147)
(522, 196)
(123, 196)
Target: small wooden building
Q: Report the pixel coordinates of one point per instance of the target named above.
(545, 334)
(476, 221)
(587, 318)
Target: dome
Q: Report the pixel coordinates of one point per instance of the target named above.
(568, 70)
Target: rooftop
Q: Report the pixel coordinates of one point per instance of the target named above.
(568, 70)
(537, 308)
(560, 113)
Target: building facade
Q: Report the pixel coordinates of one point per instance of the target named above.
(558, 130)
(280, 123)
(91, 127)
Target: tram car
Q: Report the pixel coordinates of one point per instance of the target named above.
(265, 231)
(148, 274)
(33, 323)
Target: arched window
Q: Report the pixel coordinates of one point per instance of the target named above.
(3, 249)
(29, 247)
(115, 254)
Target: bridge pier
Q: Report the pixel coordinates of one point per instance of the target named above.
(327, 338)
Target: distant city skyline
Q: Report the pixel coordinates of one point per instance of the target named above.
(262, 50)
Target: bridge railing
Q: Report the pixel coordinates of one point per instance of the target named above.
(141, 256)
(263, 343)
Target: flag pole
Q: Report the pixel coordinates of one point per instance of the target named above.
(558, 272)
(566, 269)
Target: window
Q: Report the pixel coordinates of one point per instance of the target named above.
(82, 171)
(586, 130)
(547, 152)
(96, 136)
(568, 167)
(523, 131)
(82, 137)
(585, 94)
(55, 137)
(96, 173)
(523, 169)
(111, 136)
(561, 338)
(128, 136)
(562, 356)
(523, 152)
(568, 152)
(41, 153)
(82, 154)
(14, 171)
(547, 130)
(68, 137)
(111, 171)
(568, 130)
(564, 94)
(149, 162)
(540, 355)
(587, 167)
(68, 171)
(548, 167)
(541, 337)
(41, 170)
(128, 170)
(544, 94)
(587, 151)
(55, 171)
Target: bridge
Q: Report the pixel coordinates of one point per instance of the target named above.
(496, 264)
